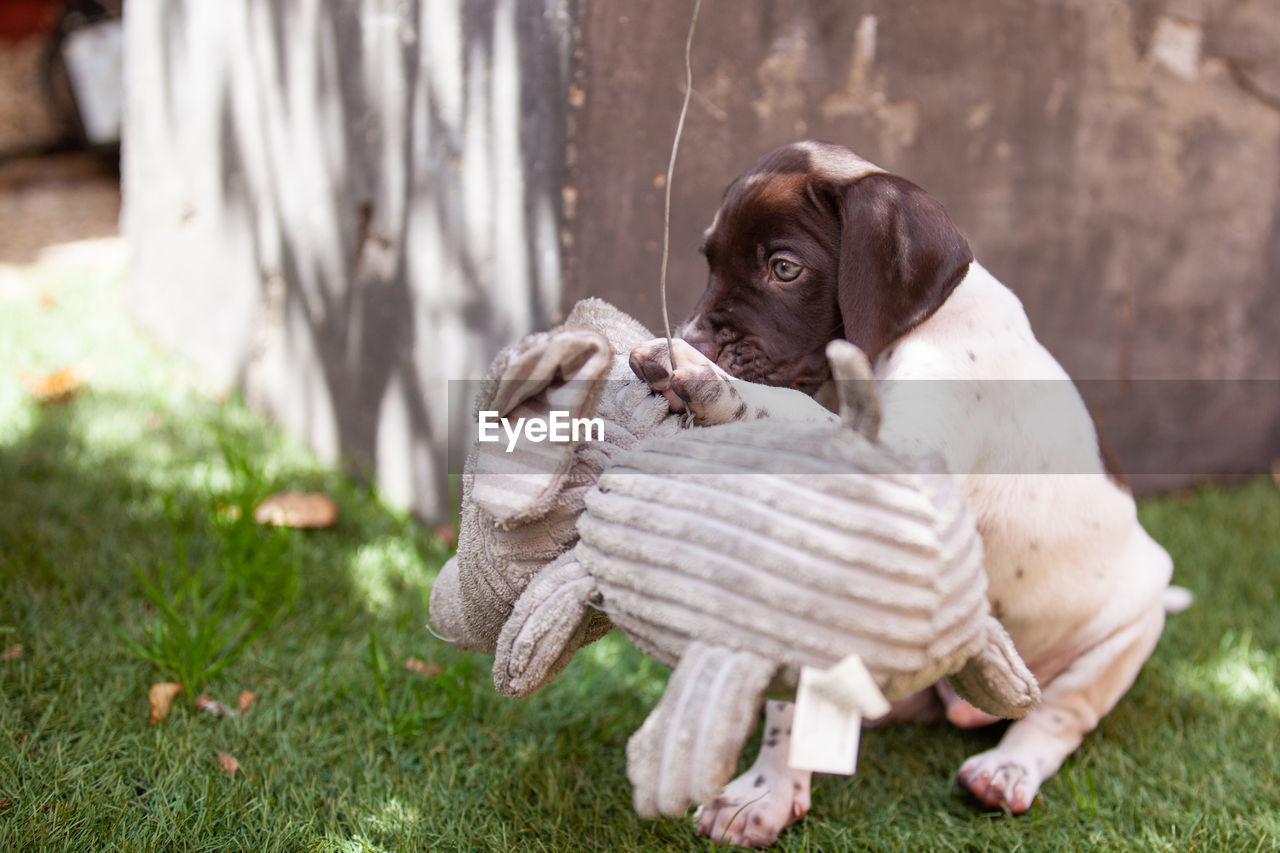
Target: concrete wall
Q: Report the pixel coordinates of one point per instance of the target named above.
(342, 204)
(1116, 163)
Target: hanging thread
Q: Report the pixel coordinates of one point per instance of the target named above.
(671, 168)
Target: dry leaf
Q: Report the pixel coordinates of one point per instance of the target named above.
(297, 509)
(230, 512)
(228, 762)
(247, 698)
(12, 653)
(5, 804)
(56, 387)
(446, 534)
(1275, 473)
(213, 706)
(161, 698)
(421, 667)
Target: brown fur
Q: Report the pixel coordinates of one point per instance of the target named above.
(878, 256)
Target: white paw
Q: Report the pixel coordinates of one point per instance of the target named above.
(689, 380)
(755, 807)
(650, 362)
(1001, 779)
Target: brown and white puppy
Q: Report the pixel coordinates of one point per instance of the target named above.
(815, 243)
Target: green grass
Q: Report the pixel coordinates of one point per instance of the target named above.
(113, 508)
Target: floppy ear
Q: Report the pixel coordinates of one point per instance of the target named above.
(900, 258)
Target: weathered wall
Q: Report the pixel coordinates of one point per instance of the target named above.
(1117, 163)
(343, 204)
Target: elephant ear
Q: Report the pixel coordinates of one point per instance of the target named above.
(561, 372)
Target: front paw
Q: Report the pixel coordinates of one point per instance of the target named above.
(1001, 779)
(689, 381)
(652, 363)
(754, 808)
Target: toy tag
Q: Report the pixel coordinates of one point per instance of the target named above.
(830, 705)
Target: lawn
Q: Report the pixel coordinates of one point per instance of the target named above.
(128, 556)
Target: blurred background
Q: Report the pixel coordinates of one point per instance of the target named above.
(340, 206)
(59, 179)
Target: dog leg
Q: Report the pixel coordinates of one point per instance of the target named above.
(690, 381)
(769, 797)
(923, 706)
(960, 713)
(1034, 748)
(710, 395)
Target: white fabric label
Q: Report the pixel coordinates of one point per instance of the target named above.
(850, 684)
(830, 705)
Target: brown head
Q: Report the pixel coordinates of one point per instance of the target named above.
(814, 243)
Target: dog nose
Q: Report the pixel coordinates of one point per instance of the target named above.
(699, 338)
(704, 346)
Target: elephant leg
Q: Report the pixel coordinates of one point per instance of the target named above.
(551, 620)
(689, 745)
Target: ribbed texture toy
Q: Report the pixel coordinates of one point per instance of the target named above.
(735, 554)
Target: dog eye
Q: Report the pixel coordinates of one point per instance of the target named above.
(786, 270)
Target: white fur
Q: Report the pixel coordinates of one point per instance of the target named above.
(1087, 566)
(836, 162)
(768, 796)
(1075, 579)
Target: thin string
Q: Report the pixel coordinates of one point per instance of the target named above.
(433, 633)
(666, 215)
(671, 168)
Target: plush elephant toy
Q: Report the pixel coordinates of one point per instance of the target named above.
(737, 554)
(520, 509)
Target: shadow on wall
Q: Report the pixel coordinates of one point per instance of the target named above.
(356, 204)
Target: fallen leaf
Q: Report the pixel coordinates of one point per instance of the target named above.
(423, 668)
(213, 706)
(5, 804)
(1275, 473)
(56, 387)
(230, 512)
(161, 698)
(446, 534)
(12, 653)
(247, 698)
(297, 509)
(228, 762)
(46, 299)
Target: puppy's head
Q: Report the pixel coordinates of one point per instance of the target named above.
(815, 243)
